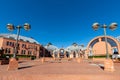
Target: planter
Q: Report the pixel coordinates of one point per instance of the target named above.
(3, 62)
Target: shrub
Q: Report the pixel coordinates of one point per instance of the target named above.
(4, 56)
(99, 56)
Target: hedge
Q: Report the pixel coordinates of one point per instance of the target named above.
(99, 56)
(18, 56)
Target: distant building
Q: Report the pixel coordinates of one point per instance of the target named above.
(51, 50)
(26, 46)
(73, 51)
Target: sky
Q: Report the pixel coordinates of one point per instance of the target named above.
(61, 22)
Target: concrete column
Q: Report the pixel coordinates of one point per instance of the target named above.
(71, 54)
(77, 55)
(109, 65)
(58, 55)
(65, 54)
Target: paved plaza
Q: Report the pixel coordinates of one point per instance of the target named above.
(59, 70)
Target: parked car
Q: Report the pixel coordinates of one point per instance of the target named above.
(115, 55)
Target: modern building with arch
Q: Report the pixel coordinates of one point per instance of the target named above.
(97, 46)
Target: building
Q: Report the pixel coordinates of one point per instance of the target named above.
(97, 45)
(26, 46)
(51, 50)
(73, 51)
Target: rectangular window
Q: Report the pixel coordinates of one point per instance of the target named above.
(7, 43)
(10, 43)
(7, 50)
(13, 45)
(23, 46)
(23, 51)
(29, 52)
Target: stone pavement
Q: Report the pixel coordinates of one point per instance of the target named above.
(59, 70)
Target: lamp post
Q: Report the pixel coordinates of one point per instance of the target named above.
(112, 26)
(43, 56)
(11, 27)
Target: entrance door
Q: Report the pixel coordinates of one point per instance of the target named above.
(74, 55)
(62, 53)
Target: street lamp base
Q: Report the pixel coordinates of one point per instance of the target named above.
(43, 60)
(79, 60)
(13, 64)
(109, 65)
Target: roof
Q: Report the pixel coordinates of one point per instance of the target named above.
(118, 38)
(51, 47)
(14, 36)
(73, 48)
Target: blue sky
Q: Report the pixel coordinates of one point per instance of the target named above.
(60, 22)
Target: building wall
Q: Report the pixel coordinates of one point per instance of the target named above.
(24, 48)
(1, 42)
(100, 48)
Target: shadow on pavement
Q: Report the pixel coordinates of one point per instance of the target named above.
(24, 67)
(21, 61)
(102, 67)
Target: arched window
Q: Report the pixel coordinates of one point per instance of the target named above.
(110, 41)
(94, 42)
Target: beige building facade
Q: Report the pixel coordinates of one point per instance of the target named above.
(27, 47)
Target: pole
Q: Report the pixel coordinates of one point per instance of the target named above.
(107, 54)
(43, 52)
(16, 46)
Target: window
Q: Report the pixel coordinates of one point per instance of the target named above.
(35, 47)
(7, 50)
(17, 51)
(7, 43)
(110, 41)
(23, 51)
(13, 44)
(94, 42)
(10, 44)
(23, 46)
(29, 52)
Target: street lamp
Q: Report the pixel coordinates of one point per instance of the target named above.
(11, 27)
(112, 26)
